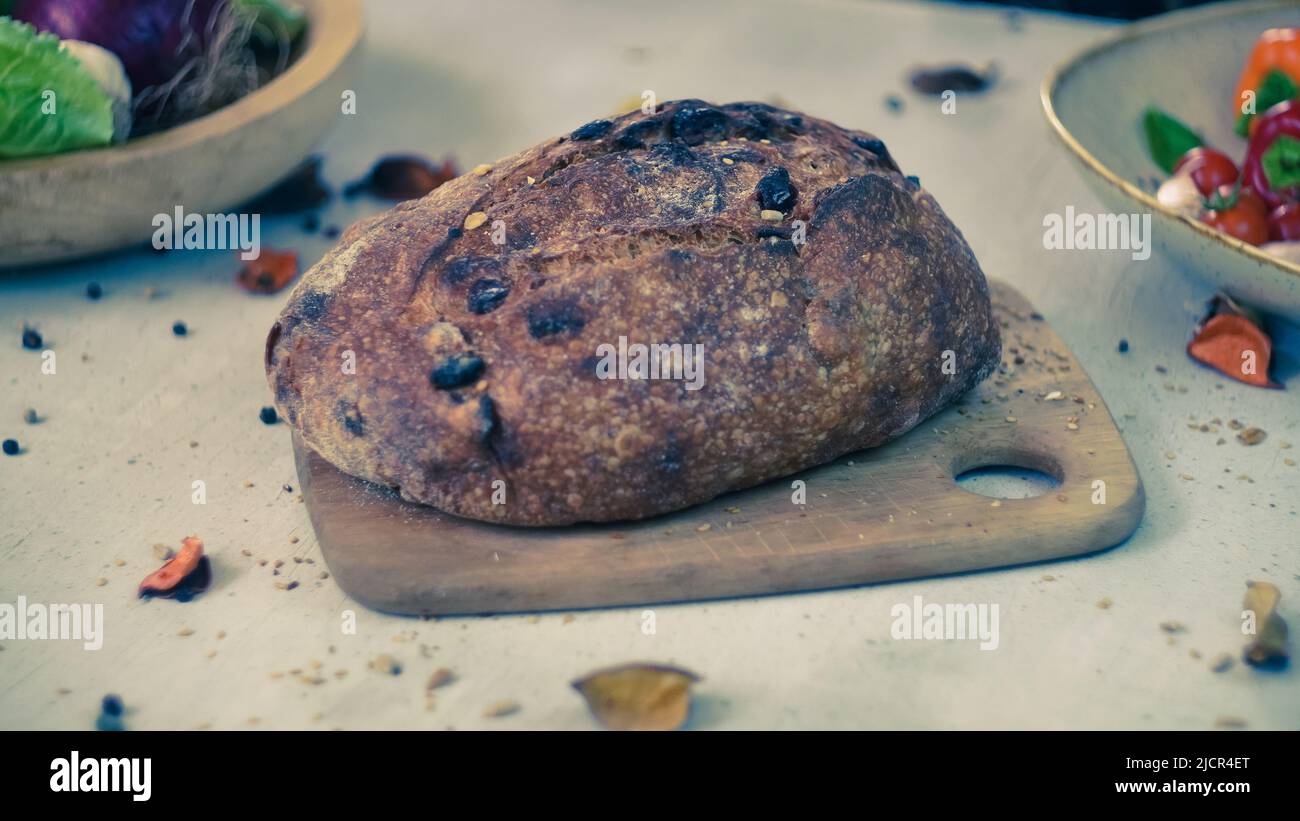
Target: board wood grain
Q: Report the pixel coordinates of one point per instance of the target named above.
(889, 513)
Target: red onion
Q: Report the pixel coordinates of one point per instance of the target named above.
(154, 39)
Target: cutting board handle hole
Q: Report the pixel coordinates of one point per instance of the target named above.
(1008, 474)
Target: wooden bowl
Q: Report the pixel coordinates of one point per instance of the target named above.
(1187, 64)
(71, 205)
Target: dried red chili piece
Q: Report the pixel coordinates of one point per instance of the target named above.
(269, 272)
(182, 576)
(1230, 341)
(404, 177)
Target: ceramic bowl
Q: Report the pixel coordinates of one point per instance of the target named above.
(1187, 64)
(72, 205)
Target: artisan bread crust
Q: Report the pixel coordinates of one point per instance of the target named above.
(650, 227)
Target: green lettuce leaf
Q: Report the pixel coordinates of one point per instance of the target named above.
(48, 102)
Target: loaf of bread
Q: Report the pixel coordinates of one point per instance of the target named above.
(479, 348)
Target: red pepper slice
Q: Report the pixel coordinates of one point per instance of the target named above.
(269, 271)
(165, 578)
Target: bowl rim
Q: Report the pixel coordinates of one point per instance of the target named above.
(334, 29)
(1136, 31)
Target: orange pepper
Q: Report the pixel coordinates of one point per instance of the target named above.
(1226, 342)
(1276, 49)
(174, 569)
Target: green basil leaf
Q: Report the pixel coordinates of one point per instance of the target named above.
(1281, 162)
(49, 103)
(1167, 138)
(1242, 126)
(1276, 88)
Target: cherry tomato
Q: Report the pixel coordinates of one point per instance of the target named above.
(1243, 216)
(1284, 223)
(1210, 169)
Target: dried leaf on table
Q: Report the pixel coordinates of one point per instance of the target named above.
(638, 696)
(1268, 648)
(404, 177)
(184, 575)
(935, 80)
(302, 190)
(268, 272)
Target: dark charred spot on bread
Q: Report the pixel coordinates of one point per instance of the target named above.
(765, 231)
(760, 121)
(670, 459)
(312, 305)
(271, 339)
(680, 257)
(287, 398)
(486, 295)
(350, 416)
(636, 134)
(673, 154)
(555, 318)
(494, 435)
(457, 371)
(593, 130)
(876, 147)
(861, 206)
(462, 268)
(776, 192)
(779, 247)
(695, 121)
(487, 417)
(454, 232)
(744, 155)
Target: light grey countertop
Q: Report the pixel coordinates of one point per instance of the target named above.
(135, 415)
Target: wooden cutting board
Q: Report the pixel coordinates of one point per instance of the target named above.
(894, 512)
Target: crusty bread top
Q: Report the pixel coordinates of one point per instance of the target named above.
(475, 360)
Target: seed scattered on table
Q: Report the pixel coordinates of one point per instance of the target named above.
(440, 678)
(180, 328)
(1222, 663)
(386, 664)
(268, 415)
(501, 709)
(1251, 436)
